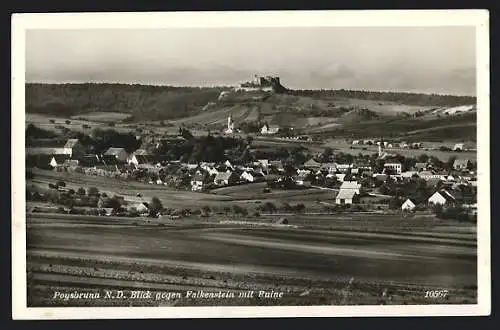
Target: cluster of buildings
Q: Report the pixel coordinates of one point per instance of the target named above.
(155, 169)
(266, 129)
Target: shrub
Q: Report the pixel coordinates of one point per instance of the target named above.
(61, 184)
(81, 191)
(93, 191)
(67, 122)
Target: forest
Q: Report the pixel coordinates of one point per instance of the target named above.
(144, 102)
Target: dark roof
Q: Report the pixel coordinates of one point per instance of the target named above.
(88, 160)
(109, 160)
(144, 159)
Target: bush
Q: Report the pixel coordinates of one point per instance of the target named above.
(67, 122)
(81, 191)
(93, 191)
(61, 184)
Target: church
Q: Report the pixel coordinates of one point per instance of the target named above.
(230, 125)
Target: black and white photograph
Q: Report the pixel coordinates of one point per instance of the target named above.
(223, 164)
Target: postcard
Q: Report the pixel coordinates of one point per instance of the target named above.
(250, 164)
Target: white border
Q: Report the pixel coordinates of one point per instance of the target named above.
(22, 22)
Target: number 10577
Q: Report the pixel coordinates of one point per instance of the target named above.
(436, 293)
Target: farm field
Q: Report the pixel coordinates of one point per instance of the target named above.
(310, 266)
(105, 116)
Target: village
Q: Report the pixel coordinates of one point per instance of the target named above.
(377, 182)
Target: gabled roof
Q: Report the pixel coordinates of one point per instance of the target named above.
(446, 194)
(408, 202)
(109, 160)
(350, 185)
(346, 194)
(89, 160)
(114, 151)
(71, 143)
(223, 176)
(143, 159)
(312, 163)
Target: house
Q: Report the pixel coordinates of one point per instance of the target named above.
(247, 176)
(333, 167)
(461, 164)
(442, 197)
(409, 174)
(119, 153)
(141, 208)
(420, 167)
(228, 164)
(311, 163)
(351, 185)
(408, 205)
(458, 147)
(73, 148)
(225, 178)
(427, 175)
(266, 129)
(303, 179)
(355, 142)
(199, 181)
(346, 196)
(58, 160)
(394, 167)
(277, 164)
(71, 163)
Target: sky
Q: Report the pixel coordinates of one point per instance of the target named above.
(413, 59)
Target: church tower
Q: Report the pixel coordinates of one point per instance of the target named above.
(230, 125)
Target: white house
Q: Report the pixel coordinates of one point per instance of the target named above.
(224, 178)
(247, 176)
(355, 142)
(346, 196)
(73, 147)
(198, 181)
(442, 197)
(408, 205)
(396, 167)
(342, 167)
(266, 129)
(118, 153)
(458, 147)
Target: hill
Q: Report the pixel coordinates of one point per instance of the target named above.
(141, 101)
